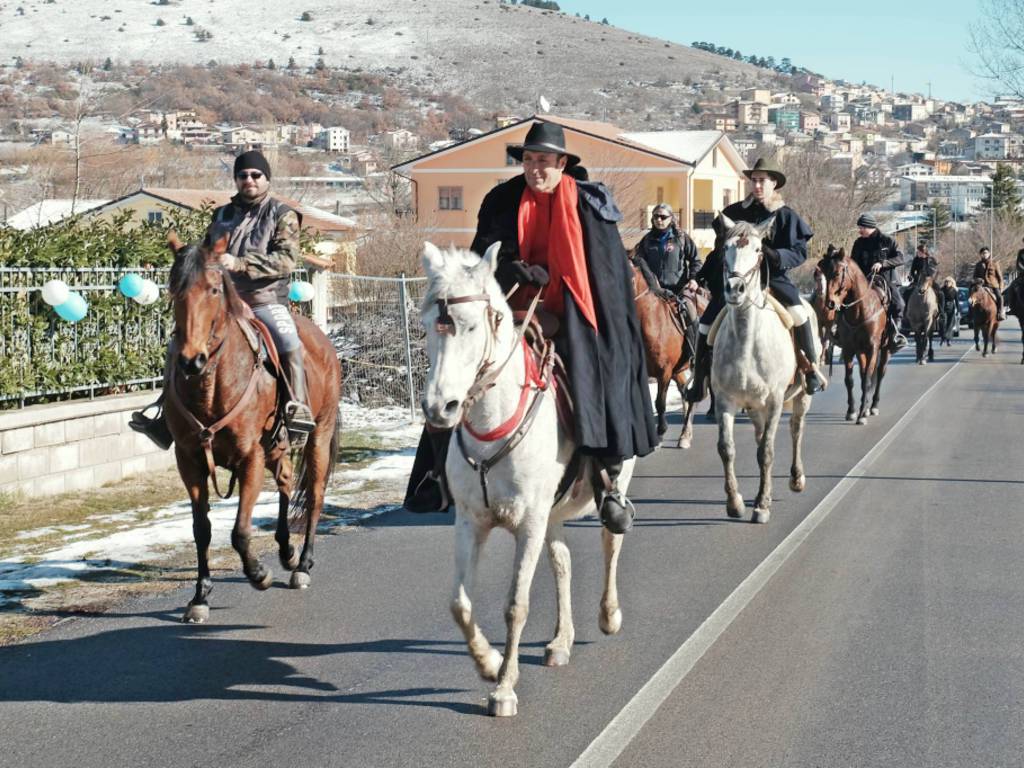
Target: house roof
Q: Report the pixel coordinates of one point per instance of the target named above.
(195, 199)
(685, 147)
(47, 212)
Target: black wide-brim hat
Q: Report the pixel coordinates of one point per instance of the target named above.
(544, 137)
(767, 165)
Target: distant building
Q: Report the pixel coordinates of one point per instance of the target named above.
(718, 121)
(839, 121)
(49, 212)
(909, 112)
(785, 118)
(962, 194)
(756, 95)
(998, 146)
(809, 121)
(400, 141)
(334, 139)
(750, 113)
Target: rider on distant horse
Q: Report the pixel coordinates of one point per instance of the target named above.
(263, 249)
(559, 237)
(879, 254)
(784, 248)
(987, 270)
(926, 265)
(672, 260)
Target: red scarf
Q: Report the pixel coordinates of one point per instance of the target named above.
(550, 234)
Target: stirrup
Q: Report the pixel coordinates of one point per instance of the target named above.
(898, 342)
(298, 419)
(814, 381)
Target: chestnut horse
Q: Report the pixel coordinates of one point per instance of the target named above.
(669, 353)
(222, 409)
(855, 308)
(1015, 303)
(984, 315)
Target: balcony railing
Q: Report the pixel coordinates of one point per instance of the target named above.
(703, 219)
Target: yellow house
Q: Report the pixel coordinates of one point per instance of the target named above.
(696, 172)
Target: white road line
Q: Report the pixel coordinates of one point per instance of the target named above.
(610, 743)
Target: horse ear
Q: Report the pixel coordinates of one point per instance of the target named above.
(727, 222)
(432, 258)
(491, 255)
(173, 242)
(766, 227)
(842, 253)
(220, 246)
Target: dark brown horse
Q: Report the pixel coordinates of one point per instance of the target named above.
(221, 407)
(1015, 303)
(857, 312)
(984, 315)
(669, 355)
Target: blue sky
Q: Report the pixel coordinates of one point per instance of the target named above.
(870, 40)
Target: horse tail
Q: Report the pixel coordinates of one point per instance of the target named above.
(300, 486)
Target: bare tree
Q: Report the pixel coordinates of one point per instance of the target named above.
(997, 43)
(827, 198)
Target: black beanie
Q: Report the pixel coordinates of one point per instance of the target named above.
(253, 159)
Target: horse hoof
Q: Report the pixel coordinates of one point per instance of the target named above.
(300, 580)
(611, 623)
(490, 668)
(265, 582)
(735, 508)
(760, 516)
(502, 705)
(851, 416)
(920, 362)
(290, 562)
(873, 411)
(556, 657)
(662, 429)
(797, 484)
(685, 442)
(862, 420)
(196, 614)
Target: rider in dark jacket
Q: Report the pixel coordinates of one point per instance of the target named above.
(876, 253)
(670, 256)
(784, 248)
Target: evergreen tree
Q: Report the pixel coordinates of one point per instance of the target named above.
(1003, 194)
(108, 64)
(938, 217)
(271, 64)
(291, 62)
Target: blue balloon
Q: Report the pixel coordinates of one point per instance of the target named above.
(74, 309)
(130, 285)
(300, 290)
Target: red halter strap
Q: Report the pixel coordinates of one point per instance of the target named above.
(532, 380)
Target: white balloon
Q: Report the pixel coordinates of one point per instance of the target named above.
(149, 293)
(55, 292)
(307, 291)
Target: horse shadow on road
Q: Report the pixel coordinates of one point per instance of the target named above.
(172, 662)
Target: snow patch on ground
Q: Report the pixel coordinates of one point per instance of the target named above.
(144, 536)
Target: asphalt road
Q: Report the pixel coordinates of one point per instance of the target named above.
(885, 631)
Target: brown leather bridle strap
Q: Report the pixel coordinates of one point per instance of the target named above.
(207, 433)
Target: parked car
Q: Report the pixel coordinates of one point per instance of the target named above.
(962, 306)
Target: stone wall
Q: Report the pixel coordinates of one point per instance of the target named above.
(48, 449)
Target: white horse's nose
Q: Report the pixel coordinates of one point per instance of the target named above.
(440, 412)
(735, 287)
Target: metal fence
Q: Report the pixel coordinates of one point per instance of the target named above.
(119, 345)
(42, 356)
(374, 323)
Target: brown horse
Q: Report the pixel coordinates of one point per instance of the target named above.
(1015, 303)
(984, 315)
(222, 409)
(856, 309)
(669, 354)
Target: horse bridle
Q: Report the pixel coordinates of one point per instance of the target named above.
(213, 337)
(748, 279)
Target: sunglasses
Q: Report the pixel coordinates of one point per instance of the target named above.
(660, 217)
(254, 175)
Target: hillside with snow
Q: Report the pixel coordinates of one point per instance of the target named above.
(492, 53)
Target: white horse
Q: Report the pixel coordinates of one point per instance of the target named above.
(754, 367)
(479, 378)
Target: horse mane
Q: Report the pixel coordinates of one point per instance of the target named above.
(189, 263)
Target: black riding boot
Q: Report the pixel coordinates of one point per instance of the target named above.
(153, 427)
(428, 489)
(698, 386)
(897, 340)
(298, 418)
(813, 380)
(617, 511)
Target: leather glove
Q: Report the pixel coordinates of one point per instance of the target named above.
(772, 257)
(529, 274)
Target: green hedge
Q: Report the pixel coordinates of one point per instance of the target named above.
(118, 341)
